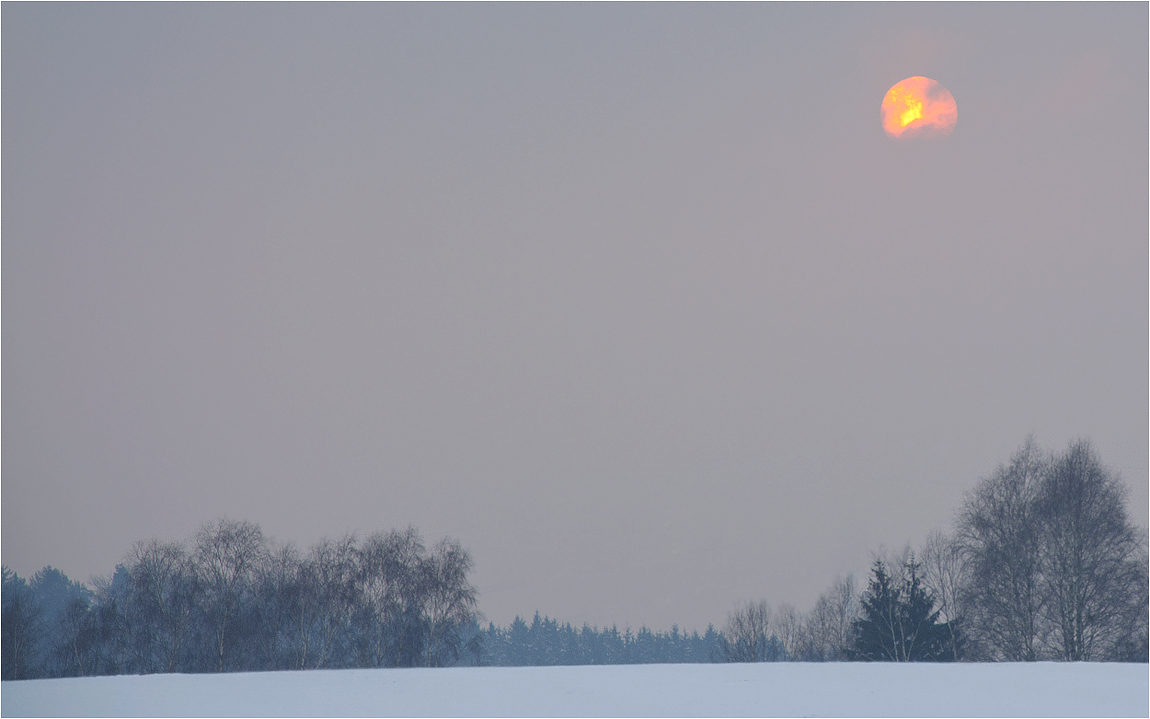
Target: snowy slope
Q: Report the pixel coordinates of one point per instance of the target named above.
(635, 690)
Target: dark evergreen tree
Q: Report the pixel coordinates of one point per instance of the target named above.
(899, 622)
(48, 627)
(70, 632)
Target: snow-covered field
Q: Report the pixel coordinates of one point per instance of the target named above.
(635, 690)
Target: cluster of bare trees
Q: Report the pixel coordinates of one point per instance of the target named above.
(229, 601)
(1043, 565)
(756, 633)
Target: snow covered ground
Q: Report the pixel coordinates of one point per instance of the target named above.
(635, 690)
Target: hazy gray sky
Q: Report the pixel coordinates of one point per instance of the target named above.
(637, 301)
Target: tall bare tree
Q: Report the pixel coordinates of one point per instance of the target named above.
(827, 633)
(1089, 567)
(449, 601)
(331, 590)
(279, 600)
(389, 619)
(227, 556)
(788, 626)
(163, 590)
(1001, 534)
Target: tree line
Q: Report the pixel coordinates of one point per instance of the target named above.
(1042, 565)
(229, 601)
(546, 642)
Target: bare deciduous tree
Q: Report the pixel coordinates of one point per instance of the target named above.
(76, 639)
(331, 587)
(788, 626)
(163, 585)
(827, 633)
(1089, 570)
(747, 636)
(1000, 533)
(279, 595)
(389, 618)
(227, 556)
(449, 601)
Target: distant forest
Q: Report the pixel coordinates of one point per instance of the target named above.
(1043, 564)
(546, 642)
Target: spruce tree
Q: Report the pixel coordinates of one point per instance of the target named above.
(899, 622)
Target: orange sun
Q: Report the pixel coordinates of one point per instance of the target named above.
(918, 107)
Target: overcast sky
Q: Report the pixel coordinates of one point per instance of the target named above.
(637, 301)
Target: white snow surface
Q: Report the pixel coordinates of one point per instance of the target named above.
(782, 689)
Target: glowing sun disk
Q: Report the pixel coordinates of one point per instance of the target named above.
(918, 107)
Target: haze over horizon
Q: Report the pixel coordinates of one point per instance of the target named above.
(636, 301)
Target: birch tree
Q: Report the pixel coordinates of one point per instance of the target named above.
(1000, 533)
(227, 556)
(1089, 567)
